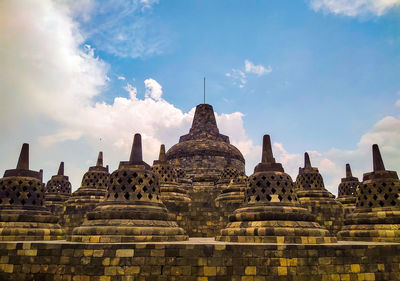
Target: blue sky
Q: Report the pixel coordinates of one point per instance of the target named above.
(333, 76)
(317, 75)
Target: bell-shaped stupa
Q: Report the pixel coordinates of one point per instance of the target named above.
(204, 152)
(347, 191)
(376, 217)
(317, 199)
(228, 174)
(23, 216)
(132, 210)
(172, 194)
(91, 192)
(271, 212)
(58, 190)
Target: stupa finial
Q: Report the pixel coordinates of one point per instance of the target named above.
(23, 160)
(377, 159)
(162, 157)
(136, 153)
(307, 162)
(100, 159)
(267, 156)
(348, 171)
(61, 169)
(41, 175)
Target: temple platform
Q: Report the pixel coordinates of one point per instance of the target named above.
(198, 259)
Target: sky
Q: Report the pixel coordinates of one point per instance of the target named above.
(320, 76)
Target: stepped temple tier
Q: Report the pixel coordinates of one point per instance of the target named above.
(58, 190)
(204, 152)
(132, 210)
(22, 212)
(347, 191)
(272, 212)
(377, 213)
(317, 199)
(91, 192)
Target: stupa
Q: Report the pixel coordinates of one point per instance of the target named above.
(317, 199)
(228, 174)
(377, 214)
(204, 152)
(172, 194)
(183, 180)
(347, 191)
(233, 193)
(91, 192)
(23, 216)
(272, 212)
(132, 210)
(58, 190)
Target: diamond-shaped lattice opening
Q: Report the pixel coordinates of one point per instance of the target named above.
(283, 190)
(370, 204)
(273, 190)
(268, 197)
(280, 197)
(278, 183)
(258, 198)
(140, 181)
(126, 195)
(268, 183)
(150, 196)
(153, 189)
(386, 196)
(23, 201)
(115, 195)
(289, 198)
(258, 183)
(123, 187)
(129, 180)
(375, 197)
(253, 190)
(390, 189)
(264, 178)
(124, 174)
(393, 203)
(145, 188)
(381, 203)
(119, 180)
(139, 195)
(263, 190)
(272, 177)
(135, 175)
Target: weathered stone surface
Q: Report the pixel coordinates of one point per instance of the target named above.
(198, 259)
(22, 212)
(89, 194)
(204, 151)
(272, 212)
(132, 210)
(377, 213)
(317, 199)
(58, 190)
(347, 191)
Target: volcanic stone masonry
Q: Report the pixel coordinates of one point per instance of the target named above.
(173, 194)
(347, 191)
(313, 195)
(204, 153)
(132, 210)
(58, 190)
(377, 213)
(272, 212)
(22, 212)
(91, 192)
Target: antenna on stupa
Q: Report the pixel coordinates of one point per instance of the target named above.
(348, 171)
(136, 153)
(61, 169)
(23, 160)
(377, 159)
(204, 87)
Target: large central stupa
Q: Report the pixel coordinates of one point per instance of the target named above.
(204, 151)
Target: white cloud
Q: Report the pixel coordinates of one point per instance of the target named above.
(239, 76)
(153, 89)
(256, 69)
(354, 8)
(121, 78)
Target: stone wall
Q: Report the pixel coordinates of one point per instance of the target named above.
(198, 259)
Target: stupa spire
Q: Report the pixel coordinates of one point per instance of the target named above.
(136, 152)
(348, 171)
(100, 159)
(61, 169)
(162, 157)
(23, 160)
(267, 156)
(377, 159)
(307, 162)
